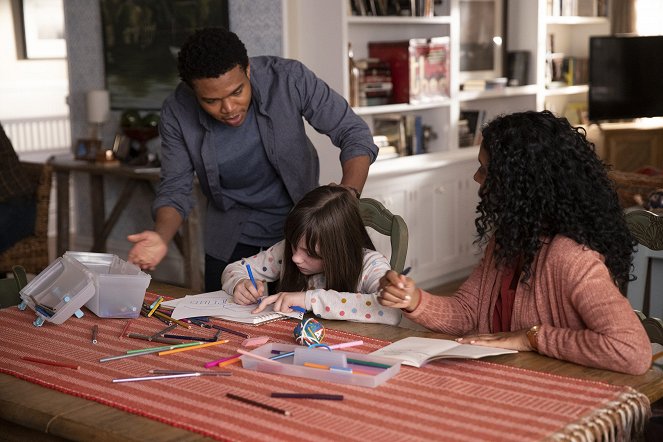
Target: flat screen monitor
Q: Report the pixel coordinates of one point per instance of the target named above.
(625, 77)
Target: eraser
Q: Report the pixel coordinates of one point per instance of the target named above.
(254, 342)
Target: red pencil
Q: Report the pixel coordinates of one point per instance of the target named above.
(53, 363)
(126, 327)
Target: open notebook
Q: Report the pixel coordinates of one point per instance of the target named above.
(220, 305)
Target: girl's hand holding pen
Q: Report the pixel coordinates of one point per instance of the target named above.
(398, 291)
(246, 293)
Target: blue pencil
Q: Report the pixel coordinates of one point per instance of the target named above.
(253, 281)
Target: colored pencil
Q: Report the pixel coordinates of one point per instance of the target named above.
(151, 339)
(258, 404)
(229, 362)
(155, 378)
(189, 338)
(368, 363)
(146, 352)
(154, 306)
(329, 397)
(251, 355)
(162, 348)
(202, 373)
(125, 329)
(253, 281)
(219, 361)
(53, 363)
(229, 330)
(193, 347)
(346, 344)
(95, 330)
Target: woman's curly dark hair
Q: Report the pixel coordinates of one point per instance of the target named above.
(209, 53)
(545, 179)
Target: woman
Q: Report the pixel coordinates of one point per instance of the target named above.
(557, 249)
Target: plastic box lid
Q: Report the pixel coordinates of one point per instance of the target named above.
(63, 287)
(119, 285)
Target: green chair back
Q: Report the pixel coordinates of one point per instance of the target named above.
(647, 228)
(376, 216)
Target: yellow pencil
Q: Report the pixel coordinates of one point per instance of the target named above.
(229, 361)
(155, 305)
(193, 347)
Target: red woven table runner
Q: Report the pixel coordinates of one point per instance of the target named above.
(449, 399)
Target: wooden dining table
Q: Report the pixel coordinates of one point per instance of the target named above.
(32, 412)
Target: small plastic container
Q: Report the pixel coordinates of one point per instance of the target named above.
(333, 366)
(120, 285)
(62, 287)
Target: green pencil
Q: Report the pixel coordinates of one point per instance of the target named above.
(163, 347)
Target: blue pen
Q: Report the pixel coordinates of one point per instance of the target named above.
(253, 281)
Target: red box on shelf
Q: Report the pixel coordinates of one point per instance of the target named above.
(419, 68)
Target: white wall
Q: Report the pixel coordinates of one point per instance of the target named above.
(28, 88)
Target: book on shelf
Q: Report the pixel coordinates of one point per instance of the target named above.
(220, 304)
(413, 8)
(474, 121)
(417, 352)
(394, 127)
(385, 149)
(419, 68)
(474, 85)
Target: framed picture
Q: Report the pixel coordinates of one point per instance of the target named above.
(40, 29)
(141, 41)
(480, 39)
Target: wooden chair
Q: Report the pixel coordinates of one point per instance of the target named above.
(376, 216)
(647, 228)
(10, 287)
(32, 252)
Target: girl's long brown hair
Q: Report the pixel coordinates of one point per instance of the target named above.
(329, 221)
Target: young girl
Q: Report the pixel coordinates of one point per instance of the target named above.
(325, 264)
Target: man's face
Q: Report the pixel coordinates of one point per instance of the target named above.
(227, 97)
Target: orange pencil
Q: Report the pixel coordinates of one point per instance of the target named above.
(229, 361)
(193, 347)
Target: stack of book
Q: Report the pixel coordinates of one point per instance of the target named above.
(419, 68)
(375, 84)
(386, 150)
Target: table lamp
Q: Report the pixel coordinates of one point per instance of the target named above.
(98, 108)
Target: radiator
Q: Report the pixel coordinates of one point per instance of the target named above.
(38, 134)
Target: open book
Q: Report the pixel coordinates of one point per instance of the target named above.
(220, 305)
(419, 351)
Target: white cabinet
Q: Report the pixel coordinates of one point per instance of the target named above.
(437, 196)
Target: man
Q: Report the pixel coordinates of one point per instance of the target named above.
(237, 123)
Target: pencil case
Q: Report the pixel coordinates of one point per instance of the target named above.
(324, 365)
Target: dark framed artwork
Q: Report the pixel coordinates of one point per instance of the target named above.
(141, 42)
(39, 26)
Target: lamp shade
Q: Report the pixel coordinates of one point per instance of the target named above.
(98, 106)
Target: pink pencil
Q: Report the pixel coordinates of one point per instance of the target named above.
(218, 361)
(346, 344)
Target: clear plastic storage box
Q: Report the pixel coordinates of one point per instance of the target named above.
(324, 365)
(120, 285)
(59, 291)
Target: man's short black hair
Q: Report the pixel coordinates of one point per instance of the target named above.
(209, 53)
